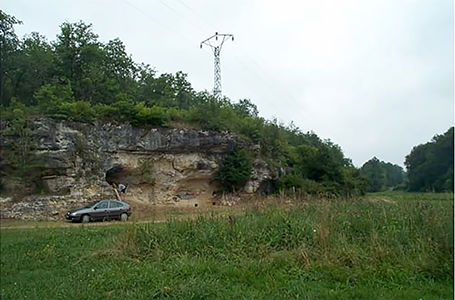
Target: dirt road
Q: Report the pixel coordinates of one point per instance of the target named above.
(65, 224)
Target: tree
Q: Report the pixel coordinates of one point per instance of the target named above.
(245, 108)
(394, 174)
(119, 70)
(8, 48)
(430, 165)
(373, 171)
(22, 163)
(34, 67)
(183, 91)
(79, 58)
(381, 175)
(234, 171)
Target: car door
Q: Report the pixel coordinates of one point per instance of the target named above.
(101, 211)
(115, 209)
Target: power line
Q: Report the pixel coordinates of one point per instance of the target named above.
(217, 51)
(246, 61)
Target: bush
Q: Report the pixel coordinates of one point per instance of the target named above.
(80, 111)
(213, 114)
(51, 96)
(235, 170)
(124, 110)
(251, 127)
(176, 114)
(154, 115)
(22, 161)
(104, 111)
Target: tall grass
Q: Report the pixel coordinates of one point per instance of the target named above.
(386, 238)
(390, 246)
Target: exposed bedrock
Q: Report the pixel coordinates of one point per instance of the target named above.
(81, 162)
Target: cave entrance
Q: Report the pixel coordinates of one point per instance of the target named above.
(117, 177)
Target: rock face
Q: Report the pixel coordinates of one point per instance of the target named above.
(159, 166)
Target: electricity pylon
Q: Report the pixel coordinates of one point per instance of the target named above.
(216, 51)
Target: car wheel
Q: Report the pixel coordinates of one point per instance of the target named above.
(123, 217)
(85, 219)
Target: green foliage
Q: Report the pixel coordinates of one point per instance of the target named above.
(211, 113)
(353, 183)
(176, 114)
(234, 171)
(430, 166)
(8, 54)
(245, 108)
(319, 167)
(381, 175)
(251, 127)
(51, 97)
(375, 174)
(22, 162)
(149, 115)
(77, 111)
(79, 56)
(34, 65)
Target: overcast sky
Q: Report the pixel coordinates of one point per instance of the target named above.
(375, 77)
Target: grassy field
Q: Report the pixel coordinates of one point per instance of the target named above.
(383, 246)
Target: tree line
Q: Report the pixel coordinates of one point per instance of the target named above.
(430, 165)
(429, 168)
(382, 175)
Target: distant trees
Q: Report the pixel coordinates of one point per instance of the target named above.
(430, 165)
(429, 168)
(381, 175)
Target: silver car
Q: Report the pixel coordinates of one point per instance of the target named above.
(101, 210)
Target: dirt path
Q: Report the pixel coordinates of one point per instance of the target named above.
(146, 214)
(64, 224)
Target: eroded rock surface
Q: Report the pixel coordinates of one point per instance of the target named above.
(159, 165)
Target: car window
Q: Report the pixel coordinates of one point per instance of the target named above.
(115, 204)
(102, 205)
(91, 204)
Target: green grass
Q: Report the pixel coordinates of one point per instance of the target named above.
(385, 246)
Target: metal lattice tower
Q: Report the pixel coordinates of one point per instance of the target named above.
(216, 52)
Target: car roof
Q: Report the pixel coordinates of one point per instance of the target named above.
(113, 200)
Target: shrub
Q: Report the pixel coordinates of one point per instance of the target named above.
(80, 111)
(51, 96)
(104, 111)
(176, 114)
(145, 115)
(234, 171)
(124, 110)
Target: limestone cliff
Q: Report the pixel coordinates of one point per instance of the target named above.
(79, 160)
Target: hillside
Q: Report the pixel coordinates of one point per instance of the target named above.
(66, 90)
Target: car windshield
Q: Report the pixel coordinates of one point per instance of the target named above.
(90, 204)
